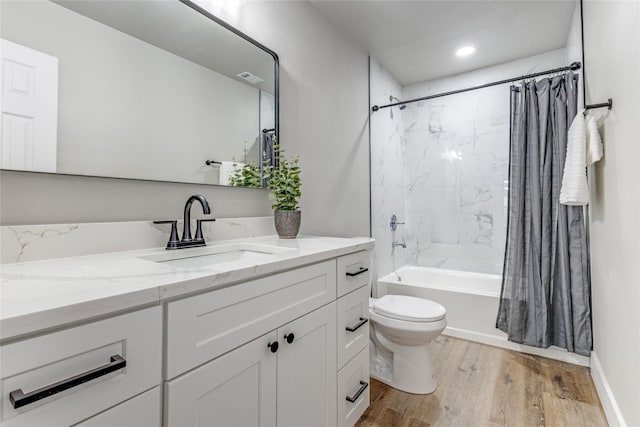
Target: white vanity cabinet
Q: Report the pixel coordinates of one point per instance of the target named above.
(65, 377)
(284, 376)
(236, 389)
(353, 337)
(261, 383)
(141, 411)
(285, 348)
(203, 327)
(306, 366)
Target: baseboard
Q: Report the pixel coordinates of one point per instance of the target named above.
(555, 353)
(608, 400)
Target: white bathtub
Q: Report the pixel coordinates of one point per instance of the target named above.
(471, 301)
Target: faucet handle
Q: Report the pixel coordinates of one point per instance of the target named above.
(173, 238)
(199, 236)
(393, 223)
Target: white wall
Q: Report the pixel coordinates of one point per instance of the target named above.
(324, 119)
(612, 61)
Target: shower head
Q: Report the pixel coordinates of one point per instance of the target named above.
(392, 98)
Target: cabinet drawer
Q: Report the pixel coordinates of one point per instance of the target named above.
(353, 272)
(353, 379)
(353, 324)
(38, 363)
(203, 327)
(141, 411)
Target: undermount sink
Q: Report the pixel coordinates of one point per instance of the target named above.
(210, 255)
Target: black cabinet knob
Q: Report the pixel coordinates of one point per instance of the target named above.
(273, 346)
(289, 337)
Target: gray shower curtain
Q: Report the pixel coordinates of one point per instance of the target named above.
(545, 298)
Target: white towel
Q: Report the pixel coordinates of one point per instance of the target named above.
(227, 169)
(584, 146)
(594, 143)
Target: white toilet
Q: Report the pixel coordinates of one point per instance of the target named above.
(401, 329)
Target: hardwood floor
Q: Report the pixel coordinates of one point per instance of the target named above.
(480, 385)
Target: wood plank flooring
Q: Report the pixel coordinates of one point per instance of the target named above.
(480, 385)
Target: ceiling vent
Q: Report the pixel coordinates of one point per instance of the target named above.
(251, 78)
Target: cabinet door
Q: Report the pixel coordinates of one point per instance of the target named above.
(307, 370)
(236, 389)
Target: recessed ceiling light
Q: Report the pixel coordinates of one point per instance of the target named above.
(465, 51)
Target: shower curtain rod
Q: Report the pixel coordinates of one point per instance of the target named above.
(574, 66)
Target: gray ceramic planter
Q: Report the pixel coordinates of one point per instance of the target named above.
(287, 223)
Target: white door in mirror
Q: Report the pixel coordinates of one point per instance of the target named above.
(29, 108)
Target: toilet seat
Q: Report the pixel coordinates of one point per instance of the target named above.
(409, 309)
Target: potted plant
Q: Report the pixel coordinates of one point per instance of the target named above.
(283, 182)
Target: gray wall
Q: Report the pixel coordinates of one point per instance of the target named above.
(324, 116)
(324, 119)
(612, 61)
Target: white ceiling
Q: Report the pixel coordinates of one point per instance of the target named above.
(416, 40)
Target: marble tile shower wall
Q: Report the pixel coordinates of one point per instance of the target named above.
(387, 171)
(456, 156)
(442, 165)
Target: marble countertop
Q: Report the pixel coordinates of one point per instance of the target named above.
(42, 295)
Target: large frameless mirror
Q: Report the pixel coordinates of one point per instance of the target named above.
(151, 90)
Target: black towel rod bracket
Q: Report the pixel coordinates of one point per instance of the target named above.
(608, 104)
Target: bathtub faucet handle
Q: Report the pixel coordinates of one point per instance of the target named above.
(394, 222)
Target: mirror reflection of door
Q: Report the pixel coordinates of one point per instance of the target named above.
(29, 108)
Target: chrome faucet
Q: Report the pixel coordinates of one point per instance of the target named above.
(403, 244)
(187, 241)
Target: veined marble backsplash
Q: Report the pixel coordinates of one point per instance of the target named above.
(24, 243)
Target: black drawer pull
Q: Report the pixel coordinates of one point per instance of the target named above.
(362, 270)
(363, 387)
(357, 325)
(19, 399)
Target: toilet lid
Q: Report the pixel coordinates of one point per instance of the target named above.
(409, 308)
